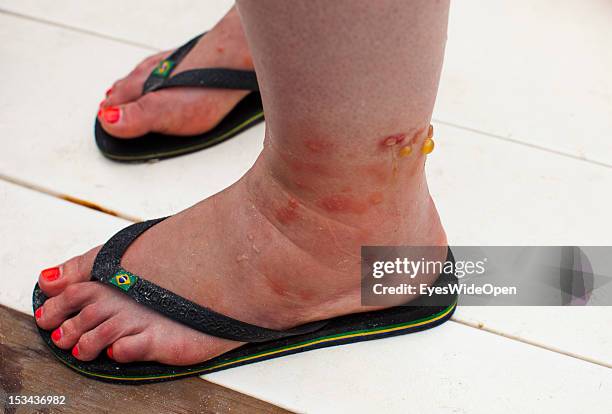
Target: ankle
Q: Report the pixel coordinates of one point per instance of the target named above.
(380, 202)
(302, 223)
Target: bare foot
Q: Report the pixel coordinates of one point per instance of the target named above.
(126, 113)
(276, 249)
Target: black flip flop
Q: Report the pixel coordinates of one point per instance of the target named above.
(262, 343)
(153, 146)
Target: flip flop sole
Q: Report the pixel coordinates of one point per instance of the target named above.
(154, 146)
(341, 330)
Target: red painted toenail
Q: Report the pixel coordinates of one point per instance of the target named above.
(56, 335)
(38, 313)
(50, 274)
(111, 114)
(108, 92)
(109, 352)
(75, 351)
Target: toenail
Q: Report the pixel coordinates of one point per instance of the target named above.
(108, 92)
(75, 351)
(50, 274)
(109, 352)
(38, 313)
(111, 114)
(56, 335)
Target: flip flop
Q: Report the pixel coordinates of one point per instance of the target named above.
(261, 343)
(154, 146)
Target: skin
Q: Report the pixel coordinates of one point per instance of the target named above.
(281, 246)
(179, 111)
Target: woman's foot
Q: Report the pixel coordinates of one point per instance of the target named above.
(279, 248)
(126, 113)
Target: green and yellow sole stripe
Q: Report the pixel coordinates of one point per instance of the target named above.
(228, 134)
(326, 341)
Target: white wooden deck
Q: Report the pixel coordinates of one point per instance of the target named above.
(524, 157)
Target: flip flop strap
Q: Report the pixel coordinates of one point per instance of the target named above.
(221, 78)
(213, 78)
(107, 269)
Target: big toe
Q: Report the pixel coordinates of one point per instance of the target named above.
(54, 280)
(177, 112)
(132, 119)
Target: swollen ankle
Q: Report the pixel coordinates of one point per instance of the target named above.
(346, 209)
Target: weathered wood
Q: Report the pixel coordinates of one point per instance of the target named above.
(28, 368)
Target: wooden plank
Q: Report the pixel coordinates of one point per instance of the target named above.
(135, 21)
(446, 370)
(28, 368)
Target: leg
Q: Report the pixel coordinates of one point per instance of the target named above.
(346, 84)
(348, 88)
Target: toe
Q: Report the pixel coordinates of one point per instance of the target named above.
(73, 298)
(131, 348)
(168, 343)
(54, 280)
(124, 90)
(176, 112)
(91, 343)
(132, 119)
(180, 345)
(129, 88)
(68, 334)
